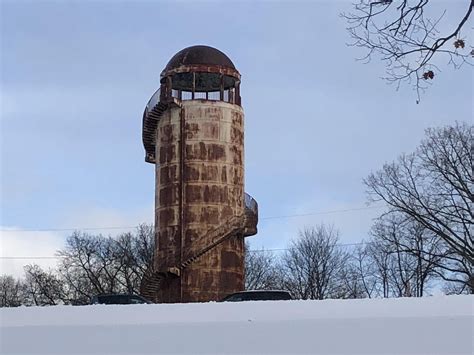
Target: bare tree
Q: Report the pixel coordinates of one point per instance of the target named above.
(134, 253)
(414, 254)
(41, 287)
(405, 34)
(87, 258)
(94, 264)
(359, 276)
(434, 187)
(10, 291)
(261, 271)
(351, 283)
(313, 264)
(144, 245)
(380, 264)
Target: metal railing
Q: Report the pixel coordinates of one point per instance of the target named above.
(250, 203)
(251, 215)
(154, 99)
(227, 95)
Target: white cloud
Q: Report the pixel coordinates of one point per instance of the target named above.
(100, 217)
(20, 248)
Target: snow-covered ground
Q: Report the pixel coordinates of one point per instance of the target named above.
(432, 325)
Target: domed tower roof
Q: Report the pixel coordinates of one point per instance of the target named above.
(199, 55)
(200, 59)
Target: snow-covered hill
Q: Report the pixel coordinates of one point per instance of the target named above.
(432, 325)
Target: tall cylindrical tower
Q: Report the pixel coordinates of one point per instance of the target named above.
(193, 131)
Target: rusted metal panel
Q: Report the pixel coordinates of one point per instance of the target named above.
(203, 68)
(203, 55)
(211, 142)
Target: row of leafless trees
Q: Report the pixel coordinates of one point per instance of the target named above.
(401, 259)
(431, 191)
(423, 240)
(88, 265)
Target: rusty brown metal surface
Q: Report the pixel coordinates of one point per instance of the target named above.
(200, 54)
(201, 68)
(199, 182)
(200, 59)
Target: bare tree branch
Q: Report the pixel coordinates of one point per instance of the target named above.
(407, 40)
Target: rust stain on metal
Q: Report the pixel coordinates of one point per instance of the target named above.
(202, 69)
(212, 188)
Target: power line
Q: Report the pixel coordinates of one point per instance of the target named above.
(284, 249)
(133, 227)
(30, 257)
(65, 229)
(263, 250)
(322, 212)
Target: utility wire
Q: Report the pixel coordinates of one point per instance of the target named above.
(132, 227)
(322, 212)
(65, 229)
(263, 250)
(284, 249)
(29, 257)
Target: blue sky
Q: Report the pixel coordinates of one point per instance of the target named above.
(75, 77)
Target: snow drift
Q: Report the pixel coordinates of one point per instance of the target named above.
(432, 325)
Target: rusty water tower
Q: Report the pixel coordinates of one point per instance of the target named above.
(193, 131)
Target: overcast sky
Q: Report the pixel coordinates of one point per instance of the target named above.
(77, 75)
